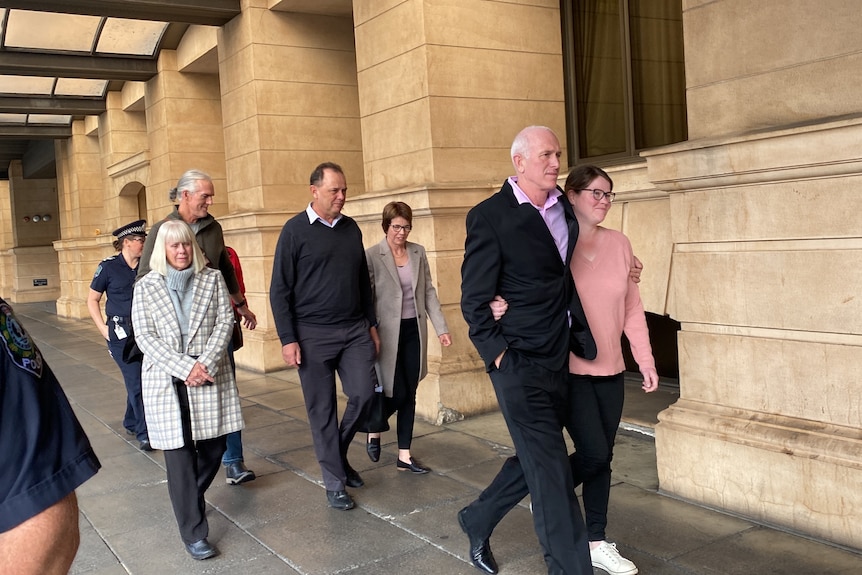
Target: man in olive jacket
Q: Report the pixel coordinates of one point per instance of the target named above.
(194, 195)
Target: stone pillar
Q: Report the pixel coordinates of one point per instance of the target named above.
(84, 220)
(33, 274)
(6, 238)
(122, 136)
(184, 128)
(289, 101)
(441, 100)
(765, 274)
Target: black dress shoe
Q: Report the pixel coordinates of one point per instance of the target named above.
(373, 449)
(145, 445)
(339, 500)
(480, 549)
(414, 466)
(201, 550)
(353, 478)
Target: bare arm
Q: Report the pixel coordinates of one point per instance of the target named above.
(93, 299)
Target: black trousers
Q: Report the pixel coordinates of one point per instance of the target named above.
(596, 408)
(134, 418)
(406, 382)
(191, 470)
(534, 402)
(325, 351)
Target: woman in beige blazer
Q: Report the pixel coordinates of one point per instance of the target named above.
(183, 321)
(404, 299)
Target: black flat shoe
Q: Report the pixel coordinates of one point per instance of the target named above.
(372, 447)
(414, 466)
(145, 445)
(201, 550)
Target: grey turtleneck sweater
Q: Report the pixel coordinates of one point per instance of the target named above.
(180, 290)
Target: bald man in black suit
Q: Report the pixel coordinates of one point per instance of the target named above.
(519, 245)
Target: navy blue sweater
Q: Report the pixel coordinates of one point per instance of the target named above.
(319, 276)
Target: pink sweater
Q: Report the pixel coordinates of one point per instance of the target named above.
(612, 304)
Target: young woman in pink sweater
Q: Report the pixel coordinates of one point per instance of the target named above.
(612, 303)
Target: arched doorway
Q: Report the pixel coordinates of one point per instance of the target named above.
(133, 202)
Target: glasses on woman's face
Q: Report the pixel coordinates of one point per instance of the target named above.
(599, 194)
(397, 228)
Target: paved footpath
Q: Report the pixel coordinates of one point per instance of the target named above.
(280, 523)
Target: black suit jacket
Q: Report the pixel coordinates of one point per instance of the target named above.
(510, 251)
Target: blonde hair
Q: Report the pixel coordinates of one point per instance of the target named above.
(175, 231)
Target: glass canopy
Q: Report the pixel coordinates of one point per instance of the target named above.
(65, 34)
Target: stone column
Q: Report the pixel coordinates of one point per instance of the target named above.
(122, 136)
(441, 100)
(184, 128)
(6, 237)
(92, 207)
(765, 273)
(32, 263)
(289, 101)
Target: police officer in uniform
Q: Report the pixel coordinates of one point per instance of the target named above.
(46, 455)
(115, 277)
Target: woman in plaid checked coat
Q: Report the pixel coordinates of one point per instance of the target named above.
(183, 321)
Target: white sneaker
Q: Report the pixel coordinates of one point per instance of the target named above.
(606, 557)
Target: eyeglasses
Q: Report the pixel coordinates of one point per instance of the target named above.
(397, 228)
(137, 239)
(599, 194)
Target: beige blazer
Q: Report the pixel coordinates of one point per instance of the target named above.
(387, 306)
(215, 409)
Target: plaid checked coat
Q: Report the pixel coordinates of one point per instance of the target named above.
(214, 409)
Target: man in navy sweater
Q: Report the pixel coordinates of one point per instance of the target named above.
(324, 312)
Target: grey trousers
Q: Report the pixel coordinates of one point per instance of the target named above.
(350, 352)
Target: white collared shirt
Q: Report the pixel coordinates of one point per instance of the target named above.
(312, 217)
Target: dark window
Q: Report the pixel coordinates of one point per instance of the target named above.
(625, 77)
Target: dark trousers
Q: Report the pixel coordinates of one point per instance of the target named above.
(233, 452)
(533, 401)
(191, 469)
(406, 382)
(134, 418)
(596, 408)
(350, 352)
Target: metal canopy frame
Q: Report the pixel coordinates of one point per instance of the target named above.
(204, 12)
(37, 77)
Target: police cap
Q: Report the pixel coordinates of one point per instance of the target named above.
(135, 228)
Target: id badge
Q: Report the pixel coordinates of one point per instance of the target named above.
(119, 331)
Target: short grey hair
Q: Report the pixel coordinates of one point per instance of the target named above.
(174, 231)
(521, 143)
(188, 182)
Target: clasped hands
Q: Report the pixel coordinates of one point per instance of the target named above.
(199, 375)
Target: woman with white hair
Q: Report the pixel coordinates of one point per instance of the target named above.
(183, 321)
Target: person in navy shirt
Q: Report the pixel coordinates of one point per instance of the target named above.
(46, 456)
(115, 277)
